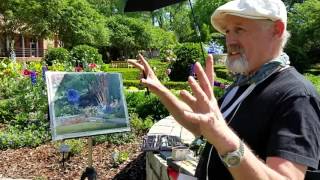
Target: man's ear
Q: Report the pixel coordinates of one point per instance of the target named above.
(278, 28)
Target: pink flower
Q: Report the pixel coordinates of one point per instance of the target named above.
(78, 69)
(92, 65)
(26, 72)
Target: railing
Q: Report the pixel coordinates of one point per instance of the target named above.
(24, 52)
(30, 52)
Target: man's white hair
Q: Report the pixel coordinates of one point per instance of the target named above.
(285, 37)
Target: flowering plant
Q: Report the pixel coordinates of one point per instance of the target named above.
(26, 72)
(78, 69)
(92, 65)
(214, 48)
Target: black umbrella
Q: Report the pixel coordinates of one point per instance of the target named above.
(151, 5)
(147, 5)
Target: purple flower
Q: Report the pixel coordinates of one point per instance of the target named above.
(73, 95)
(192, 71)
(33, 77)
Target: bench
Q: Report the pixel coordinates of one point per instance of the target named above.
(120, 64)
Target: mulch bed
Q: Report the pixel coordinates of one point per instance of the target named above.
(44, 162)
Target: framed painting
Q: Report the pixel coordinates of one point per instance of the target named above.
(86, 104)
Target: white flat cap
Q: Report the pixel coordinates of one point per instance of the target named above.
(251, 9)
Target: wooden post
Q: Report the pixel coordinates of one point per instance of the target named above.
(23, 47)
(90, 151)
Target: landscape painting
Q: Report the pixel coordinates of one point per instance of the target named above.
(86, 104)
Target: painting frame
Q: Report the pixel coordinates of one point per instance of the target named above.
(83, 104)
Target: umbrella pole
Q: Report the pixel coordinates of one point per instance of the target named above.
(197, 28)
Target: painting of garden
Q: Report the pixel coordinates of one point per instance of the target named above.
(85, 104)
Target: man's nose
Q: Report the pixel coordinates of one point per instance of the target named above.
(230, 39)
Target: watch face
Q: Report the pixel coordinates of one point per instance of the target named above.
(233, 160)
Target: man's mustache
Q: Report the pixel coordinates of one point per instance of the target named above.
(234, 48)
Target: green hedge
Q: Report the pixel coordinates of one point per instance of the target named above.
(127, 73)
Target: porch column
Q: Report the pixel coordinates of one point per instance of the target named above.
(7, 44)
(23, 47)
(37, 48)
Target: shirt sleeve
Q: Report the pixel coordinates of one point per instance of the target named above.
(295, 133)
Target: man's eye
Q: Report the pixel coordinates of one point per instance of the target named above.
(237, 30)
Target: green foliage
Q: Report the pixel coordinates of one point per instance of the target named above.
(159, 69)
(78, 23)
(145, 105)
(84, 54)
(304, 25)
(14, 137)
(6, 113)
(314, 79)
(127, 73)
(167, 54)
(115, 138)
(140, 126)
(25, 109)
(161, 38)
(203, 10)
(182, 24)
(123, 156)
(76, 145)
(59, 55)
(187, 54)
(128, 35)
(119, 157)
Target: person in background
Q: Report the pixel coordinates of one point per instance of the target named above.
(267, 124)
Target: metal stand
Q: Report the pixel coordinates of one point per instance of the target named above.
(90, 173)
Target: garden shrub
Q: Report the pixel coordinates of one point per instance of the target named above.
(314, 79)
(26, 108)
(14, 137)
(115, 138)
(145, 105)
(82, 55)
(6, 113)
(140, 126)
(127, 73)
(160, 69)
(76, 145)
(187, 55)
(60, 55)
(167, 54)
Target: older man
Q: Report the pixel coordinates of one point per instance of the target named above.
(267, 125)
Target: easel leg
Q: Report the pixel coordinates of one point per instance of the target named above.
(90, 173)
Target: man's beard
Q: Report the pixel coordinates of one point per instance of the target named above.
(238, 66)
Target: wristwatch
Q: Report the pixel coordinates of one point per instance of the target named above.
(233, 159)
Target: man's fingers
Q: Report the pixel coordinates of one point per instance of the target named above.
(209, 68)
(188, 98)
(136, 64)
(197, 90)
(203, 80)
(147, 67)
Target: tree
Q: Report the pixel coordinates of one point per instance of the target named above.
(203, 10)
(108, 7)
(13, 14)
(77, 23)
(304, 24)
